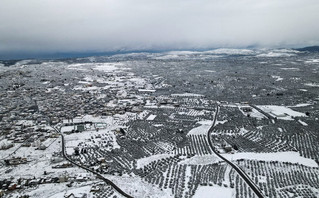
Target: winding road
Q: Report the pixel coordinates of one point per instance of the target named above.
(247, 179)
(109, 182)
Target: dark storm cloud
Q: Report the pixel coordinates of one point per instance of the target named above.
(108, 25)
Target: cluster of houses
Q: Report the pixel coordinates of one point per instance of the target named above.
(222, 146)
(21, 183)
(29, 136)
(16, 161)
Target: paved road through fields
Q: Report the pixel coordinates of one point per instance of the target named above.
(109, 182)
(246, 178)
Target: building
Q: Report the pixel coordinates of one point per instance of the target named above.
(246, 109)
(80, 128)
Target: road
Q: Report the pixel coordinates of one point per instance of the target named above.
(109, 182)
(246, 178)
(264, 113)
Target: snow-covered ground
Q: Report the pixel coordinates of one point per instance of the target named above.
(201, 160)
(203, 129)
(187, 95)
(301, 105)
(302, 123)
(7, 152)
(146, 90)
(290, 156)
(222, 52)
(59, 190)
(109, 67)
(151, 117)
(106, 126)
(290, 68)
(254, 113)
(38, 162)
(312, 84)
(140, 163)
(281, 112)
(278, 78)
(136, 187)
(77, 192)
(74, 139)
(188, 175)
(312, 61)
(214, 191)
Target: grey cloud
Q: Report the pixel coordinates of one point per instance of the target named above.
(108, 25)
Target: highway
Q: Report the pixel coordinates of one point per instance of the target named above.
(246, 178)
(109, 182)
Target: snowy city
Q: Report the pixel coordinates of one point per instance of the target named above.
(221, 123)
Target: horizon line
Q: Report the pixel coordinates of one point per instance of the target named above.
(67, 55)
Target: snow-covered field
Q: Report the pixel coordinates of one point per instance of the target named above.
(214, 191)
(254, 113)
(302, 123)
(203, 129)
(140, 163)
(136, 187)
(312, 84)
(201, 160)
(281, 112)
(38, 161)
(278, 78)
(187, 95)
(289, 156)
(109, 67)
(77, 192)
(73, 140)
(151, 117)
(301, 105)
(106, 126)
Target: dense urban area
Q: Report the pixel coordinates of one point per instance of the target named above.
(231, 123)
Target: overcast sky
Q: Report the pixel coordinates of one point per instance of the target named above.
(49, 26)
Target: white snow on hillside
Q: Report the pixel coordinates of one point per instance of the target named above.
(275, 54)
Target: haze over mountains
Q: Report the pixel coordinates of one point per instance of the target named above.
(47, 29)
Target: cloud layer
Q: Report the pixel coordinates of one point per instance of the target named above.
(46, 26)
